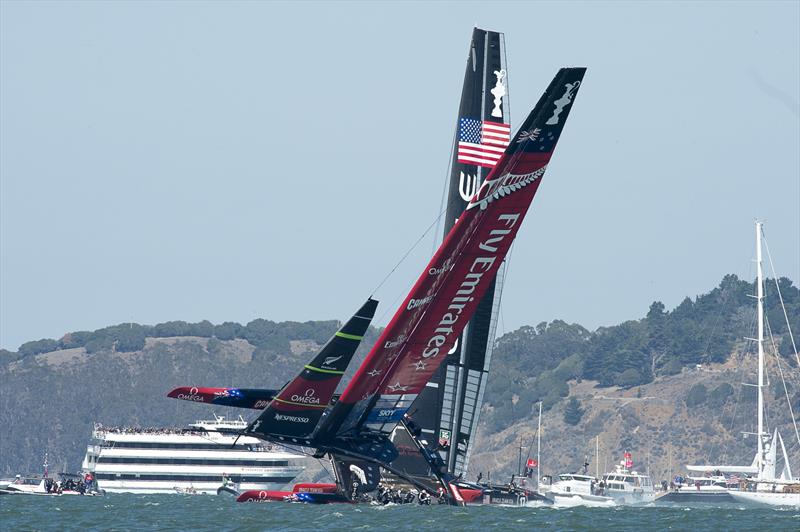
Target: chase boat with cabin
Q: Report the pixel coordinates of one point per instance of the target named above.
(626, 486)
(574, 489)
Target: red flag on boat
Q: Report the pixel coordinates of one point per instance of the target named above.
(628, 460)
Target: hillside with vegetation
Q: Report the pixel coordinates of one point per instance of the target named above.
(666, 386)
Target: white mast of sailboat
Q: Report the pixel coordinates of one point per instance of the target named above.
(538, 447)
(760, 307)
(763, 465)
(597, 456)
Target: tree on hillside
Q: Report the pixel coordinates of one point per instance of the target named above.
(697, 395)
(8, 356)
(75, 339)
(35, 347)
(573, 412)
(720, 394)
(171, 328)
(656, 335)
(228, 330)
(203, 329)
(631, 377)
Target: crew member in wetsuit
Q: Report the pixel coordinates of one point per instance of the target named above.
(424, 498)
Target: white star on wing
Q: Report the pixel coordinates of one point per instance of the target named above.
(419, 365)
(397, 387)
(374, 373)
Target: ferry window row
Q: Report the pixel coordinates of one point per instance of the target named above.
(191, 478)
(191, 461)
(645, 481)
(159, 445)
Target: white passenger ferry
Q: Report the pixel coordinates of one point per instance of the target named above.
(189, 460)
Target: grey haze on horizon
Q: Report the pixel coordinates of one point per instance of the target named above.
(229, 161)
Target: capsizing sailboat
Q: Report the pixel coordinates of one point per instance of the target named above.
(425, 328)
(446, 411)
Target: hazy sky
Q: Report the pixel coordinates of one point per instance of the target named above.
(228, 161)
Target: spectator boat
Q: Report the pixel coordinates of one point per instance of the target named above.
(198, 459)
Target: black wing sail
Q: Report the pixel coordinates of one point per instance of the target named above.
(446, 412)
(297, 408)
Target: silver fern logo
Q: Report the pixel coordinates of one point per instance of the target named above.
(330, 360)
(503, 186)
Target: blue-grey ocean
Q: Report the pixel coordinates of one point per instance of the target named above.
(202, 512)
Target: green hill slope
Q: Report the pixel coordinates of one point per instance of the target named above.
(665, 386)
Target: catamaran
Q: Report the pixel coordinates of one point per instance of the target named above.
(355, 428)
(446, 410)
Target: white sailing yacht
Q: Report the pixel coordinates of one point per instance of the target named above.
(766, 487)
(762, 485)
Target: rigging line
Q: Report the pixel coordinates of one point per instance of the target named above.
(739, 377)
(502, 288)
(780, 297)
(780, 371)
(443, 202)
(508, 79)
(391, 307)
(408, 252)
(420, 320)
(322, 465)
(729, 401)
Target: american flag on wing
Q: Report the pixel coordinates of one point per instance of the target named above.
(482, 143)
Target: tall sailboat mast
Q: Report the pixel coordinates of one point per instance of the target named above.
(760, 312)
(539, 447)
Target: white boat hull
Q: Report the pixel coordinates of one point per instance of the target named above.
(171, 487)
(767, 498)
(632, 498)
(570, 501)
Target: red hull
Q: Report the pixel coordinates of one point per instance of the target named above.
(263, 496)
(281, 496)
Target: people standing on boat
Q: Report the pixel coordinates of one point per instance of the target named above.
(424, 498)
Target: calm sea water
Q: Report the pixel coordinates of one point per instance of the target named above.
(205, 512)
